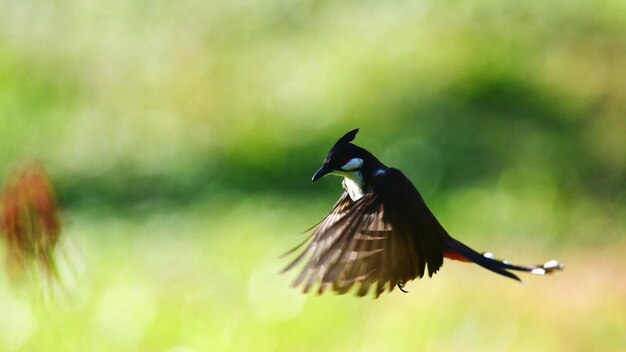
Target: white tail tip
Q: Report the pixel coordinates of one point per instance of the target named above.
(552, 264)
(538, 271)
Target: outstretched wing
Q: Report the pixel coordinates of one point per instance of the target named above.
(385, 238)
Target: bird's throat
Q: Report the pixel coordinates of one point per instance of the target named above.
(354, 190)
(353, 183)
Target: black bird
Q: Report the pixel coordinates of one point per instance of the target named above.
(380, 233)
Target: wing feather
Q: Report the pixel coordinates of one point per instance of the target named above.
(385, 238)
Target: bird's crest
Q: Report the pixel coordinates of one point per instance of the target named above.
(348, 137)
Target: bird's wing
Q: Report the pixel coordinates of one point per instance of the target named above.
(385, 238)
(330, 221)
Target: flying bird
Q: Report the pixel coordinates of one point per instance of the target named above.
(380, 234)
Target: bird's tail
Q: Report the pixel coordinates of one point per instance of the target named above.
(458, 251)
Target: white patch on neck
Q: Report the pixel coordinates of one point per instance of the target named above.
(379, 172)
(352, 182)
(354, 190)
(354, 163)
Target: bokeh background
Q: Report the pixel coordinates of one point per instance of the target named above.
(181, 137)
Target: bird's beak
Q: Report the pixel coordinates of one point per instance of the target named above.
(320, 173)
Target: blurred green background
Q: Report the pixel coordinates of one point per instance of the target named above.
(181, 137)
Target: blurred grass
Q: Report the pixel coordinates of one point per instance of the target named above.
(181, 137)
(168, 282)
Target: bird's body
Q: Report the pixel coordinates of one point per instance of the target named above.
(380, 233)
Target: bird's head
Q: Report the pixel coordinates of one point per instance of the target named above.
(345, 159)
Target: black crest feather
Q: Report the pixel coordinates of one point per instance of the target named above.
(348, 137)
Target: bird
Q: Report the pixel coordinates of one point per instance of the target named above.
(380, 234)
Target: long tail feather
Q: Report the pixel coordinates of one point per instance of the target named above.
(487, 261)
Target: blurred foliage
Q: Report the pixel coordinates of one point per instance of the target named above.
(509, 116)
(161, 96)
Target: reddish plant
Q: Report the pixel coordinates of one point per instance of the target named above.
(30, 220)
